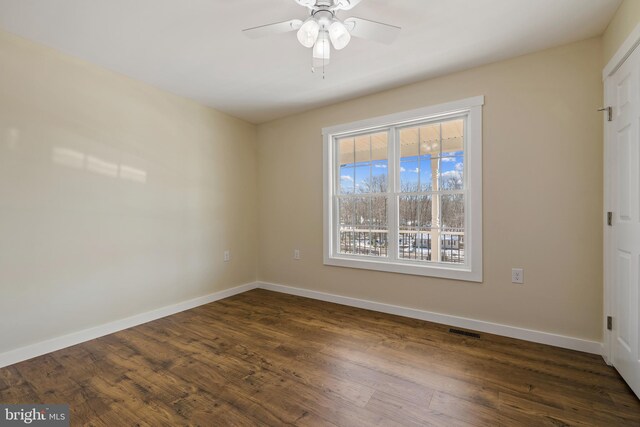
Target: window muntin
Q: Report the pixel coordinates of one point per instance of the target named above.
(430, 183)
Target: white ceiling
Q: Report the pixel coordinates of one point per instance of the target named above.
(195, 48)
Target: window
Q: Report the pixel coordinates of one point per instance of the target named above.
(403, 193)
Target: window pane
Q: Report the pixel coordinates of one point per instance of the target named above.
(408, 220)
(379, 226)
(379, 176)
(419, 150)
(452, 173)
(415, 212)
(363, 148)
(379, 212)
(363, 177)
(346, 242)
(377, 183)
(347, 179)
(409, 172)
(364, 160)
(408, 211)
(347, 165)
(452, 137)
(346, 214)
(409, 159)
(415, 223)
(452, 234)
(379, 162)
(452, 206)
(409, 139)
(426, 176)
(347, 156)
(430, 140)
(423, 237)
(452, 247)
(362, 225)
(379, 143)
(425, 210)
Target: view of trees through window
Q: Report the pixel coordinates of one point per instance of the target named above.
(429, 192)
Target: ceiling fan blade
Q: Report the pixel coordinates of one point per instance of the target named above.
(277, 28)
(345, 4)
(363, 28)
(306, 3)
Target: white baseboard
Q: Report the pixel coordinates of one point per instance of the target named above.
(460, 322)
(44, 347)
(605, 355)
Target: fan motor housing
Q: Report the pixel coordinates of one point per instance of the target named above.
(323, 17)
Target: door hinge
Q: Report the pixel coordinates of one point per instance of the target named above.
(609, 323)
(609, 111)
(609, 218)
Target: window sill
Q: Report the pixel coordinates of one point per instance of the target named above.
(443, 271)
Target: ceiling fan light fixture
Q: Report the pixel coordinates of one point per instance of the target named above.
(308, 32)
(322, 48)
(322, 30)
(339, 35)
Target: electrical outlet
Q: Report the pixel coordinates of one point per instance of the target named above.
(296, 254)
(227, 256)
(517, 275)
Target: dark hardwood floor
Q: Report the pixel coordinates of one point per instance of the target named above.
(263, 358)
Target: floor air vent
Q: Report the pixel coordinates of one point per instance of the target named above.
(465, 333)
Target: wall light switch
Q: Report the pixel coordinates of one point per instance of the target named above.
(227, 256)
(296, 254)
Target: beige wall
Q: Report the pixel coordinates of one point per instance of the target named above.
(623, 22)
(542, 195)
(115, 198)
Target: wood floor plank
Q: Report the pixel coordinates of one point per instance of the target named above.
(464, 410)
(264, 358)
(389, 405)
(568, 414)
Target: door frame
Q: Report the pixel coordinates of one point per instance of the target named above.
(624, 51)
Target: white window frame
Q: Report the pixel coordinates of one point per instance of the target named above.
(471, 270)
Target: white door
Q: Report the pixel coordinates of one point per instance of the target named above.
(622, 262)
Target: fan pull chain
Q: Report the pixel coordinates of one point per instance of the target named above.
(325, 46)
(323, 68)
(313, 69)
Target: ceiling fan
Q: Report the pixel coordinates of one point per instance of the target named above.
(322, 28)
